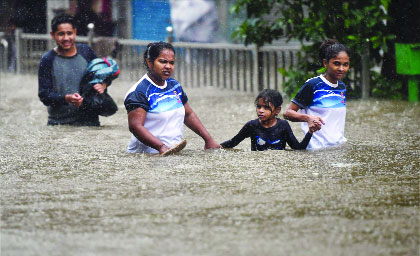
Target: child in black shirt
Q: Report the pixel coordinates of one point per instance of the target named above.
(268, 131)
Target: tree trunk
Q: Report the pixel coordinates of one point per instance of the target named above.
(365, 71)
(260, 58)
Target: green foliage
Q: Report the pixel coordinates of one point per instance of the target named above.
(296, 79)
(383, 88)
(258, 28)
(353, 22)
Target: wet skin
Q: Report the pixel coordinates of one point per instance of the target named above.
(163, 67)
(65, 38)
(337, 67)
(267, 113)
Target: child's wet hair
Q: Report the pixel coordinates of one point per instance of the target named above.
(61, 19)
(330, 48)
(270, 96)
(154, 49)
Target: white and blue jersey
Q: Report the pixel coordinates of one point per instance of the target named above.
(165, 111)
(319, 97)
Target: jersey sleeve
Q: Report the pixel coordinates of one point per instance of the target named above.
(305, 96)
(46, 92)
(243, 133)
(184, 97)
(136, 100)
(293, 142)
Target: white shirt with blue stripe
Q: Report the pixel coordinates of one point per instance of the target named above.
(319, 97)
(165, 112)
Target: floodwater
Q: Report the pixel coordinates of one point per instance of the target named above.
(75, 191)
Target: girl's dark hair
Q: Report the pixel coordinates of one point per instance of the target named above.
(330, 48)
(270, 96)
(154, 49)
(61, 19)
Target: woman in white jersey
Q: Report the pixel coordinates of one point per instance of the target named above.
(158, 108)
(322, 99)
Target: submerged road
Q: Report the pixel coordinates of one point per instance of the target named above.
(75, 191)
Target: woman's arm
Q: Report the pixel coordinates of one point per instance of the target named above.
(136, 120)
(191, 121)
(292, 114)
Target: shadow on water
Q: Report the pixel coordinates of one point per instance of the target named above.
(74, 190)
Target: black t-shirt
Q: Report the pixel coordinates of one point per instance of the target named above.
(268, 138)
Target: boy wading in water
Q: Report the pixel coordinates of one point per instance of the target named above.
(268, 131)
(60, 72)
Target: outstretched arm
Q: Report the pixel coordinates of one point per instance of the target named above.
(293, 142)
(238, 138)
(292, 114)
(191, 121)
(136, 120)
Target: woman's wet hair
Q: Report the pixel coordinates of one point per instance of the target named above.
(330, 48)
(154, 49)
(270, 96)
(61, 19)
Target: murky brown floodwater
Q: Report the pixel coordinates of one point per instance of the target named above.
(74, 191)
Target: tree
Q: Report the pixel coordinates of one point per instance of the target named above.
(360, 24)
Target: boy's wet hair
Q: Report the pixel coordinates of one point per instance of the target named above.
(154, 49)
(61, 19)
(330, 48)
(270, 96)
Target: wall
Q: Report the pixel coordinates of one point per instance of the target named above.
(150, 19)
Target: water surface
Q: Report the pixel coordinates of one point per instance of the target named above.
(75, 191)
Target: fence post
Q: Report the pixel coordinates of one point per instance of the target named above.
(258, 68)
(18, 36)
(4, 65)
(260, 61)
(90, 26)
(170, 37)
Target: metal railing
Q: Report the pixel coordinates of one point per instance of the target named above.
(231, 66)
